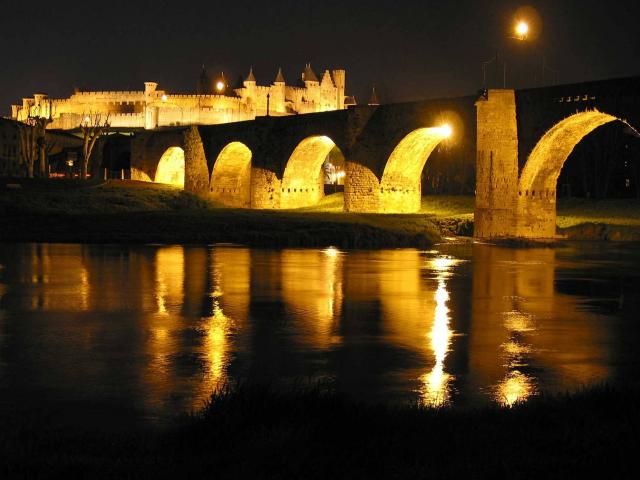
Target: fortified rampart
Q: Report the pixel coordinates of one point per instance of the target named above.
(152, 108)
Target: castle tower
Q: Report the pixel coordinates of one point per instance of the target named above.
(250, 89)
(278, 93)
(339, 82)
(311, 85)
(151, 113)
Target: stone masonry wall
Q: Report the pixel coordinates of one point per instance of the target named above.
(196, 173)
(496, 165)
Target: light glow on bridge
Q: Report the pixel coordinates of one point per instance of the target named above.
(231, 176)
(302, 182)
(400, 186)
(171, 167)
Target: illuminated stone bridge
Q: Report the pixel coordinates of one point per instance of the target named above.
(276, 162)
(520, 139)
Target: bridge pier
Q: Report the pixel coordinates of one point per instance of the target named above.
(496, 203)
(265, 189)
(361, 189)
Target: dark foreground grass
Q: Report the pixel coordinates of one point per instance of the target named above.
(254, 432)
(135, 212)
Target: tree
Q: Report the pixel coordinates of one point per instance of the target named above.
(92, 127)
(28, 146)
(33, 143)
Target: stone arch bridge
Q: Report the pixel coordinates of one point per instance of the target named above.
(275, 162)
(520, 140)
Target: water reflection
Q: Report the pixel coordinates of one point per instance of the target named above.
(535, 331)
(436, 391)
(159, 328)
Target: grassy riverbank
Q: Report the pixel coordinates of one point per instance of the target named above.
(258, 433)
(135, 212)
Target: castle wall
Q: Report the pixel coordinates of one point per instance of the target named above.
(152, 108)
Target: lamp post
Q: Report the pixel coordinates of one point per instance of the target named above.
(522, 30)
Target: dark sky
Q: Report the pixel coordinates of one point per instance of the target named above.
(409, 49)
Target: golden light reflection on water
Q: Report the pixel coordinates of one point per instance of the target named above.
(216, 347)
(312, 291)
(516, 386)
(436, 382)
(169, 291)
(436, 389)
(167, 325)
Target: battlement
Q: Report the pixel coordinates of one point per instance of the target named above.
(160, 107)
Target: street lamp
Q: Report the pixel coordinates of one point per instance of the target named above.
(220, 86)
(522, 33)
(522, 30)
(445, 130)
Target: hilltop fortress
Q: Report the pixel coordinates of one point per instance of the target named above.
(152, 108)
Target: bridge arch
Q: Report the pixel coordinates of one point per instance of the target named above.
(400, 186)
(231, 176)
(171, 167)
(303, 179)
(539, 177)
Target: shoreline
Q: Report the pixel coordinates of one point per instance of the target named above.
(138, 213)
(255, 431)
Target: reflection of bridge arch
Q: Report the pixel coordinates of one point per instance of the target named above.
(171, 167)
(400, 187)
(231, 177)
(303, 180)
(539, 177)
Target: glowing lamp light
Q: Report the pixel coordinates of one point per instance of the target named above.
(522, 29)
(87, 119)
(446, 131)
(164, 97)
(220, 85)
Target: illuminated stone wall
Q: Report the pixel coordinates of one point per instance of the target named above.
(151, 108)
(302, 182)
(523, 141)
(496, 165)
(384, 148)
(148, 149)
(536, 212)
(231, 176)
(196, 178)
(265, 188)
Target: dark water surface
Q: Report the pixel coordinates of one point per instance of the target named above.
(152, 330)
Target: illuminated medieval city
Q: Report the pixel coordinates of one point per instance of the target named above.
(320, 240)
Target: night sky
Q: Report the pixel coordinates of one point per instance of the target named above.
(409, 49)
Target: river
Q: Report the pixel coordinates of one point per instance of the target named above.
(153, 330)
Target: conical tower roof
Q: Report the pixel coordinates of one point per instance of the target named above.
(250, 77)
(309, 75)
(374, 98)
(279, 76)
